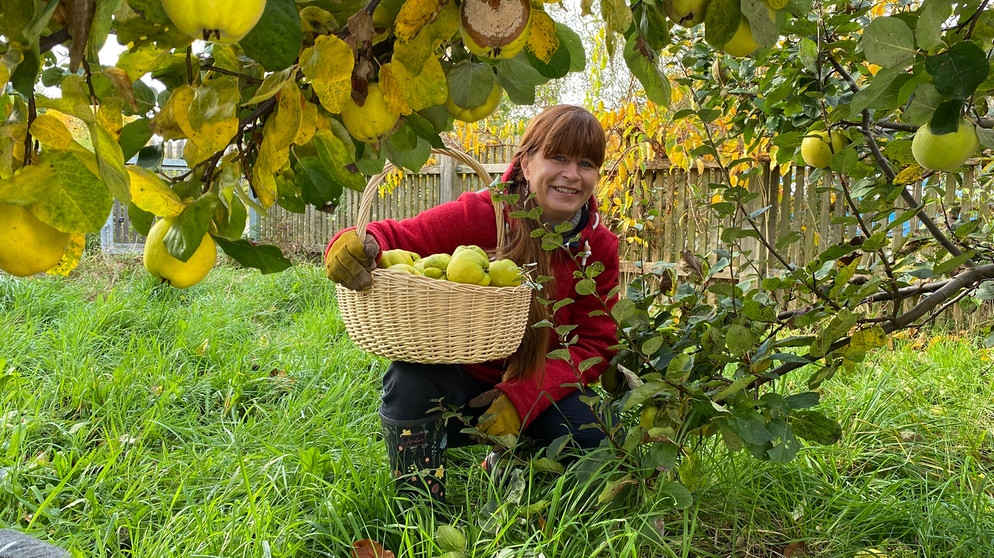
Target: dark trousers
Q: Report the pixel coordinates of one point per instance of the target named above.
(416, 393)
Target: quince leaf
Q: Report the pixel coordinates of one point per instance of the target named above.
(274, 152)
(328, 64)
(888, 42)
(413, 52)
(959, 71)
(71, 257)
(110, 161)
(74, 100)
(52, 132)
(542, 38)
(150, 193)
(406, 91)
(414, 16)
(63, 192)
(264, 257)
(189, 227)
(336, 158)
(617, 15)
(275, 41)
(721, 21)
(655, 83)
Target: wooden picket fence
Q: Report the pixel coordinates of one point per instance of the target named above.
(671, 207)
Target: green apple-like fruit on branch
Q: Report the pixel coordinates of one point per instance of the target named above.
(177, 273)
(220, 21)
(945, 152)
(816, 151)
(687, 13)
(27, 245)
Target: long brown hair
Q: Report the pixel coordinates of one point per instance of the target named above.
(558, 130)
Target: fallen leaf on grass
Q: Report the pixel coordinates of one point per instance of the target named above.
(367, 548)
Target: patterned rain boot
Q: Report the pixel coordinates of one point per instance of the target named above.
(416, 452)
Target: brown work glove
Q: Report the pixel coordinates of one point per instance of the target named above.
(501, 417)
(349, 261)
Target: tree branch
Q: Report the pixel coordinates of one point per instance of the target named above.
(948, 290)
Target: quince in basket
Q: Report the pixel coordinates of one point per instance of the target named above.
(467, 264)
(470, 265)
(397, 256)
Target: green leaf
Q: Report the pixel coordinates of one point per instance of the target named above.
(188, 229)
(763, 29)
(134, 136)
(562, 58)
(816, 427)
(470, 83)
(519, 79)
(276, 40)
(264, 257)
(931, 16)
(316, 185)
(958, 72)
(923, 104)
(750, 428)
(586, 287)
(652, 25)
(888, 42)
(740, 340)
(662, 456)
(721, 21)
(643, 66)
(883, 91)
(110, 161)
(679, 496)
(337, 160)
(62, 191)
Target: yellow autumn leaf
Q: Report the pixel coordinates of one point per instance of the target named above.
(542, 38)
(909, 175)
(308, 124)
(414, 16)
(72, 255)
(169, 122)
(51, 131)
(274, 152)
(405, 91)
(328, 64)
(151, 193)
(415, 51)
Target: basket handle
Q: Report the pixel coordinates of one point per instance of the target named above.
(372, 187)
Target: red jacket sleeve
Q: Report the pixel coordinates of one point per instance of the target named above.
(596, 333)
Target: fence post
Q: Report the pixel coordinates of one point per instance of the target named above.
(446, 178)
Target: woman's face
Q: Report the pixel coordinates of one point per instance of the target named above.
(561, 184)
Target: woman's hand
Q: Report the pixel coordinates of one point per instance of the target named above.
(349, 261)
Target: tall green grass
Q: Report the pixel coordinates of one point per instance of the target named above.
(236, 419)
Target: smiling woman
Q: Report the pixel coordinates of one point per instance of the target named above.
(554, 228)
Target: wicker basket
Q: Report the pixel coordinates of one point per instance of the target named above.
(418, 319)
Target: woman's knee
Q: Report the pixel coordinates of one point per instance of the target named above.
(414, 391)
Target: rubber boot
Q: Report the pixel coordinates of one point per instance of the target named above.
(416, 452)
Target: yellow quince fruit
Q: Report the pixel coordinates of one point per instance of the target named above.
(371, 121)
(505, 273)
(470, 265)
(177, 273)
(27, 245)
(219, 21)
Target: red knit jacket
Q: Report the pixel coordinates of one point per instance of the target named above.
(471, 220)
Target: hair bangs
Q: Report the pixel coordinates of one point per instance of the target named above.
(575, 134)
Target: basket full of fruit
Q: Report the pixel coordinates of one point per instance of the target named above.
(456, 308)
